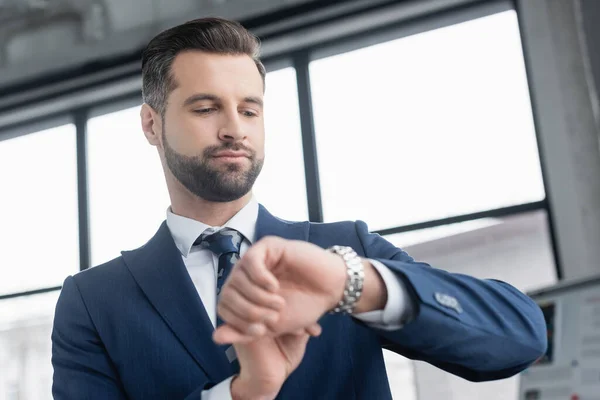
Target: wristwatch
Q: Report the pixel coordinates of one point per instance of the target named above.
(354, 281)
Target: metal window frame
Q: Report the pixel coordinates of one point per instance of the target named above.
(105, 97)
(81, 120)
(543, 160)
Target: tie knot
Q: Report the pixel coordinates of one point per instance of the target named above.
(224, 241)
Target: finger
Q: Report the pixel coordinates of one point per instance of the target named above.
(237, 322)
(244, 309)
(253, 293)
(314, 330)
(253, 264)
(225, 334)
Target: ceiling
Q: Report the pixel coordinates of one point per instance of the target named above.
(40, 37)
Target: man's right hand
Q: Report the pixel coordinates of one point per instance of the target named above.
(266, 363)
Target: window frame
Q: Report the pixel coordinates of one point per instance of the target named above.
(31, 128)
(105, 93)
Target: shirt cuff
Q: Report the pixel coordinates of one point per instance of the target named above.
(222, 391)
(399, 306)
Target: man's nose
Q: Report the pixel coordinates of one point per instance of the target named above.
(232, 130)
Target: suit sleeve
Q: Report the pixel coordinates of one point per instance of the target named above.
(477, 329)
(82, 368)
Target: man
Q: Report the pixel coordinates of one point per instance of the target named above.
(142, 326)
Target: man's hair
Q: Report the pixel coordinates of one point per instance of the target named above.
(212, 35)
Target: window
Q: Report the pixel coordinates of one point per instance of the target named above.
(424, 127)
(514, 249)
(127, 192)
(25, 346)
(427, 126)
(281, 186)
(401, 376)
(39, 210)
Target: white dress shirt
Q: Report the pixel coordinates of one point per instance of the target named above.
(202, 266)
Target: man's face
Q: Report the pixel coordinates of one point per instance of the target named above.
(213, 127)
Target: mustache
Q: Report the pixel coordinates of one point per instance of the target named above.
(212, 150)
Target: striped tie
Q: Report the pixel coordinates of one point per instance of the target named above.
(226, 245)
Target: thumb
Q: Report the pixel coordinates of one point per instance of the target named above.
(314, 330)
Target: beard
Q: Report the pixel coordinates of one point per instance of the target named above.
(214, 183)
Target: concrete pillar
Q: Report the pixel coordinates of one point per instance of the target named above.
(560, 83)
(590, 15)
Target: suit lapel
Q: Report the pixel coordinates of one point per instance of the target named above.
(160, 272)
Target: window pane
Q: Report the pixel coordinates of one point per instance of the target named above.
(25, 346)
(127, 192)
(401, 376)
(281, 186)
(39, 228)
(514, 249)
(427, 126)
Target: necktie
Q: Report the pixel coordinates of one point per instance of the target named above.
(225, 244)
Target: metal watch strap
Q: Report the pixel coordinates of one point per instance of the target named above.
(354, 281)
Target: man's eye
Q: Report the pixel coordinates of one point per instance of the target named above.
(249, 114)
(203, 110)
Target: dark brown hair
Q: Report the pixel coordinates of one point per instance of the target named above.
(212, 35)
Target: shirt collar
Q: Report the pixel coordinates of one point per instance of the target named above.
(185, 230)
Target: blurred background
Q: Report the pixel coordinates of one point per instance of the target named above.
(464, 131)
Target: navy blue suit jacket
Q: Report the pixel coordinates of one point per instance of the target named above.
(136, 328)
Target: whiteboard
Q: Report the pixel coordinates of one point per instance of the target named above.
(570, 369)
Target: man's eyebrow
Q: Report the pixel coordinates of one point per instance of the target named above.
(256, 100)
(199, 97)
(211, 97)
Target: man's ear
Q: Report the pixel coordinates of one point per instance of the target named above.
(151, 125)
